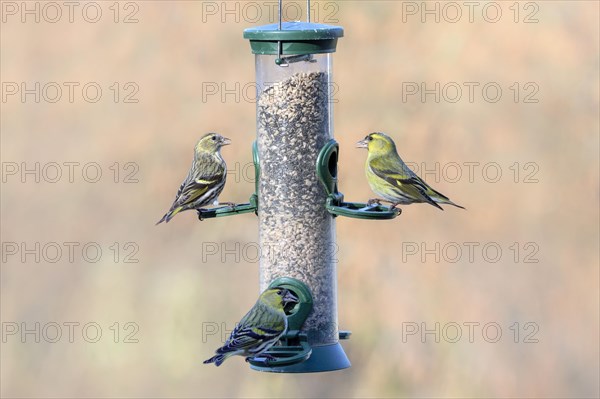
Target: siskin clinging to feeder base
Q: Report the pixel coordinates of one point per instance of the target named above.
(259, 329)
(206, 177)
(390, 178)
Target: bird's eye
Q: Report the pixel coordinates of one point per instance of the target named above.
(214, 138)
(369, 138)
(279, 292)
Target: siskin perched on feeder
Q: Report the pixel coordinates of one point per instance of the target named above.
(259, 329)
(390, 178)
(206, 177)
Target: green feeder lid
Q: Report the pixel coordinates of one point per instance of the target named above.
(296, 38)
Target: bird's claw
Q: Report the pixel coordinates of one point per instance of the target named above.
(374, 201)
(232, 205)
(267, 358)
(393, 206)
(200, 214)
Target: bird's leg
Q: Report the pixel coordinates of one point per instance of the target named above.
(393, 207)
(393, 204)
(232, 205)
(374, 201)
(378, 201)
(266, 356)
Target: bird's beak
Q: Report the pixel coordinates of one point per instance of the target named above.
(225, 141)
(290, 298)
(362, 144)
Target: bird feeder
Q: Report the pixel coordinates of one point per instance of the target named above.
(296, 231)
(297, 198)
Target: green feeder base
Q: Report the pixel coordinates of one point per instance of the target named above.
(322, 358)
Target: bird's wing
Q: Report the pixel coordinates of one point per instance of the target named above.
(259, 325)
(430, 191)
(407, 181)
(249, 337)
(417, 181)
(416, 185)
(195, 186)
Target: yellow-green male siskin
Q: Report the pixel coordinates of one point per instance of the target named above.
(259, 329)
(206, 177)
(390, 178)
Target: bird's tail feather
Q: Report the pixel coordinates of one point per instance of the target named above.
(218, 359)
(432, 202)
(456, 205)
(169, 215)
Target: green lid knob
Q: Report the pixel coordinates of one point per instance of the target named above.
(296, 38)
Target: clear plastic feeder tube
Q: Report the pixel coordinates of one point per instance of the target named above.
(297, 234)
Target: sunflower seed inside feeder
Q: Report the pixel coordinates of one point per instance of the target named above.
(293, 126)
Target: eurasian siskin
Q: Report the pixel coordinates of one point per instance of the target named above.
(259, 329)
(390, 178)
(206, 177)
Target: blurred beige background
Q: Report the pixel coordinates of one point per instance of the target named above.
(387, 282)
